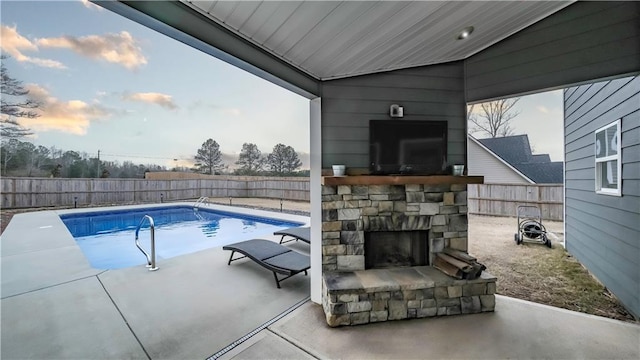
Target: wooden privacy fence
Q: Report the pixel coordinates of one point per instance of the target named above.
(42, 192)
(484, 199)
(503, 199)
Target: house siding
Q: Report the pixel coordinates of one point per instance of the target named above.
(602, 231)
(585, 41)
(482, 163)
(431, 93)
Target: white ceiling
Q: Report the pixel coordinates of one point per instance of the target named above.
(334, 39)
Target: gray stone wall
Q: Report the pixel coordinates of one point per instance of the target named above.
(405, 293)
(350, 210)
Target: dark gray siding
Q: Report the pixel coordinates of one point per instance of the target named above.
(434, 93)
(603, 232)
(583, 42)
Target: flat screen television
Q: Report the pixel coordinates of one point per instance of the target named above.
(407, 147)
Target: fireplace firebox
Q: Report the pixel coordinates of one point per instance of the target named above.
(393, 249)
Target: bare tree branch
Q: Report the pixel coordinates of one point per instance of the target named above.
(20, 108)
(10, 129)
(494, 117)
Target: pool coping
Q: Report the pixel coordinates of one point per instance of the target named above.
(304, 220)
(266, 217)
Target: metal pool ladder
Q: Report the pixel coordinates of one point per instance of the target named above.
(200, 201)
(151, 260)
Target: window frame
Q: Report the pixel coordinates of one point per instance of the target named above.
(605, 159)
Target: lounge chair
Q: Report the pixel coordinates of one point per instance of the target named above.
(273, 256)
(297, 233)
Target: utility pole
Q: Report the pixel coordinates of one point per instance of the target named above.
(98, 173)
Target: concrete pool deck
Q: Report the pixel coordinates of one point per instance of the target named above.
(55, 306)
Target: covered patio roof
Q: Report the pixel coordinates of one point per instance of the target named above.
(295, 44)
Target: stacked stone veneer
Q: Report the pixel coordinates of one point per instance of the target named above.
(352, 296)
(350, 210)
(362, 297)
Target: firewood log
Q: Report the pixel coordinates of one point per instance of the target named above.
(465, 267)
(460, 255)
(447, 268)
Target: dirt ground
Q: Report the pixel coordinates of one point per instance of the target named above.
(534, 272)
(529, 271)
(5, 217)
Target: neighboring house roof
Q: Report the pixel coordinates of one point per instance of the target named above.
(516, 151)
(543, 173)
(512, 149)
(541, 158)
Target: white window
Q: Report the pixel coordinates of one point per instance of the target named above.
(608, 160)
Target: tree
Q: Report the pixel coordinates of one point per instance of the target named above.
(26, 156)
(9, 151)
(22, 158)
(56, 171)
(11, 129)
(41, 160)
(493, 118)
(250, 160)
(283, 160)
(13, 105)
(209, 158)
(74, 164)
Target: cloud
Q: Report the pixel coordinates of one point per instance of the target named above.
(166, 101)
(121, 48)
(14, 44)
(232, 111)
(72, 116)
(542, 109)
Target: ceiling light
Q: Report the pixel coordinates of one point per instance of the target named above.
(465, 33)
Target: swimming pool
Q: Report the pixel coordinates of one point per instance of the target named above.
(107, 237)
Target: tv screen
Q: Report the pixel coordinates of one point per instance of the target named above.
(407, 147)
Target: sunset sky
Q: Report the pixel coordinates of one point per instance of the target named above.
(109, 84)
(113, 85)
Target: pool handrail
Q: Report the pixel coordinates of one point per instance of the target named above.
(151, 260)
(200, 201)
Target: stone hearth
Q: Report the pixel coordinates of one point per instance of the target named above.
(367, 296)
(435, 206)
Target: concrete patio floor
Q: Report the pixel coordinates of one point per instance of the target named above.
(55, 306)
(516, 330)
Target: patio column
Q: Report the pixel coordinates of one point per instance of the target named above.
(315, 129)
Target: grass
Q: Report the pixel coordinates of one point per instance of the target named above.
(536, 273)
(555, 278)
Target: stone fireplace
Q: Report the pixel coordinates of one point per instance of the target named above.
(380, 235)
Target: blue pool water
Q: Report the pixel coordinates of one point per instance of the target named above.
(107, 238)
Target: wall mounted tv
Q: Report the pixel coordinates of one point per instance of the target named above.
(407, 147)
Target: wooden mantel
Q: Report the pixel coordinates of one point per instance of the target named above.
(400, 180)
